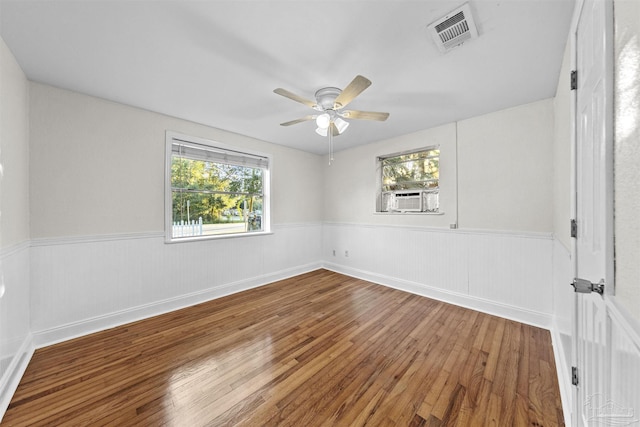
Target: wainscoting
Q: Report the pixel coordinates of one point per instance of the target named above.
(16, 344)
(88, 284)
(58, 289)
(506, 274)
(623, 357)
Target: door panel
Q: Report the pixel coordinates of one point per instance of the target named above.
(594, 182)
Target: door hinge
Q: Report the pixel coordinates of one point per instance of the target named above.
(574, 228)
(574, 79)
(574, 375)
(583, 286)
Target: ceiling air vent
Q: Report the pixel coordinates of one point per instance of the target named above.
(453, 29)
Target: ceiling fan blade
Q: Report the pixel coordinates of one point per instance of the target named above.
(294, 97)
(355, 88)
(300, 120)
(365, 115)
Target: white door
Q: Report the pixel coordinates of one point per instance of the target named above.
(594, 209)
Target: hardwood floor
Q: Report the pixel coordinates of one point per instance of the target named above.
(320, 349)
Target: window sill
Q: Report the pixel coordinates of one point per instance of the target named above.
(216, 237)
(408, 213)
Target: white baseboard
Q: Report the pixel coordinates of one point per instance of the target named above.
(10, 380)
(77, 329)
(518, 314)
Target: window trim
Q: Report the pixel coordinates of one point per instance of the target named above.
(379, 172)
(170, 138)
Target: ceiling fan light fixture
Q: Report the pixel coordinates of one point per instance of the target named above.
(329, 103)
(341, 125)
(323, 121)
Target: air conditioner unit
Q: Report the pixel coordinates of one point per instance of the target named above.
(403, 201)
(410, 201)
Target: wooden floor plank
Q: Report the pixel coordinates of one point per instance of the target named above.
(319, 349)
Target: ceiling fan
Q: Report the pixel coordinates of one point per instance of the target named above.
(330, 103)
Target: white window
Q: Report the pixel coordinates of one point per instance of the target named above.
(213, 190)
(410, 182)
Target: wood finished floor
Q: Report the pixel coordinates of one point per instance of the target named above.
(320, 349)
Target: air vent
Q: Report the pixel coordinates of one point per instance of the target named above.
(454, 29)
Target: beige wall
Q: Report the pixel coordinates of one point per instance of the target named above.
(627, 153)
(562, 168)
(350, 183)
(506, 169)
(504, 173)
(14, 150)
(97, 167)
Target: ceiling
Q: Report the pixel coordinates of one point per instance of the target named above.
(218, 62)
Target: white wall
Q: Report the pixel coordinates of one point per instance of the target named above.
(98, 167)
(84, 284)
(97, 177)
(500, 258)
(97, 216)
(506, 274)
(496, 174)
(15, 338)
(350, 182)
(117, 151)
(627, 154)
(498, 167)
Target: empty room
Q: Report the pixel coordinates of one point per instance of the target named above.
(319, 213)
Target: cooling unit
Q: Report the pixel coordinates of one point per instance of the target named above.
(410, 201)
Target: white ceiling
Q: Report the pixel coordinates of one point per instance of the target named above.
(217, 62)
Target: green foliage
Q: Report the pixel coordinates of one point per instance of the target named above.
(419, 170)
(214, 191)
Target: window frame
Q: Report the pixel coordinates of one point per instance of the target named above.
(170, 138)
(379, 182)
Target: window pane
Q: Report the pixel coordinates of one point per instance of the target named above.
(212, 189)
(198, 214)
(211, 198)
(413, 156)
(419, 170)
(207, 176)
(411, 185)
